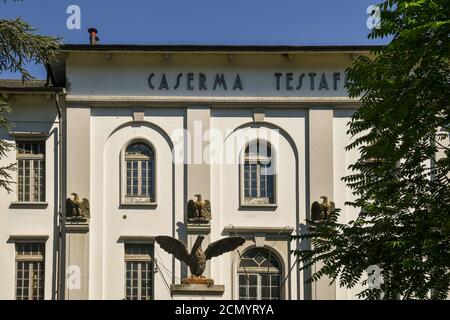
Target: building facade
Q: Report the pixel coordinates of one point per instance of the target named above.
(130, 134)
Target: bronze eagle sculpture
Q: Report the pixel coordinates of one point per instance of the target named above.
(199, 210)
(196, 259)
(321, 211)
(77, 208)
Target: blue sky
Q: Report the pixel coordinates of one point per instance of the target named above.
(270, 22)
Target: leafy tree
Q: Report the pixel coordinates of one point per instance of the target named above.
(401, 179)
(5, 147)
(19, 45)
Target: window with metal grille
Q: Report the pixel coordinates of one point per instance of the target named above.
(138, 271)
(30, 171)
(259, 275)
(258, 174)
(140, 173)
(30, 271)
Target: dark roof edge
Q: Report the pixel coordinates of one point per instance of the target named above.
(220, 48)
(32, 90)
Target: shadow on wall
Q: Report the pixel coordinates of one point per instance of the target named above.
(182, 235)
(305, 245)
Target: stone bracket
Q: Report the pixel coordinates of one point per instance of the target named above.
(260, 239)
(138, 114)
(202, 290)
(259, 114)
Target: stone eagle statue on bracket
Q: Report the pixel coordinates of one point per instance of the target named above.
(321, 211)
(77, 209)
(196, 259)
(200, 210)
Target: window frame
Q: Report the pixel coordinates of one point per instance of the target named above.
(123, 176)
(141, 258)
(259, 289)
(31, 157)
(30, 258)
(259, 271)
(243, 161)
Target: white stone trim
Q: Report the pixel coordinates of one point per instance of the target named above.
(98, 100)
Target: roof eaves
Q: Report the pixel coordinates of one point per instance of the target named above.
(219, 48)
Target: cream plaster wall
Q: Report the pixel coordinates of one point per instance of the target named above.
(29, 113)
(111, 131)
(126, 74)
(290, 210)
(341, 160)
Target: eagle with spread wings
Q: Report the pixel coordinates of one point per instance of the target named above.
(196, 259)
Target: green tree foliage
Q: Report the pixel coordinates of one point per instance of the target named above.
(398, 181)
(5, 175)
(19, 45)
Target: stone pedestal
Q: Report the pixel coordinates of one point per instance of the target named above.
(193, 230)
(321, 173)
(189, 291)
(77, 261)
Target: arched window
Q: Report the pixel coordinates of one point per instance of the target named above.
(258, 174)
(259, 275)
(140, 173)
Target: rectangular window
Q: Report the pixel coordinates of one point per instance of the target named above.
(139, 272)
(257, 174)
(30, 271)
(31, 171)
(140, 179)
(261, 286)
(248, 287)
(250, 179)
(270, 287)
(258, 183)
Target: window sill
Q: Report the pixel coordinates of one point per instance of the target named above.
(129, 205)
(33, 205)
(258, 207)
